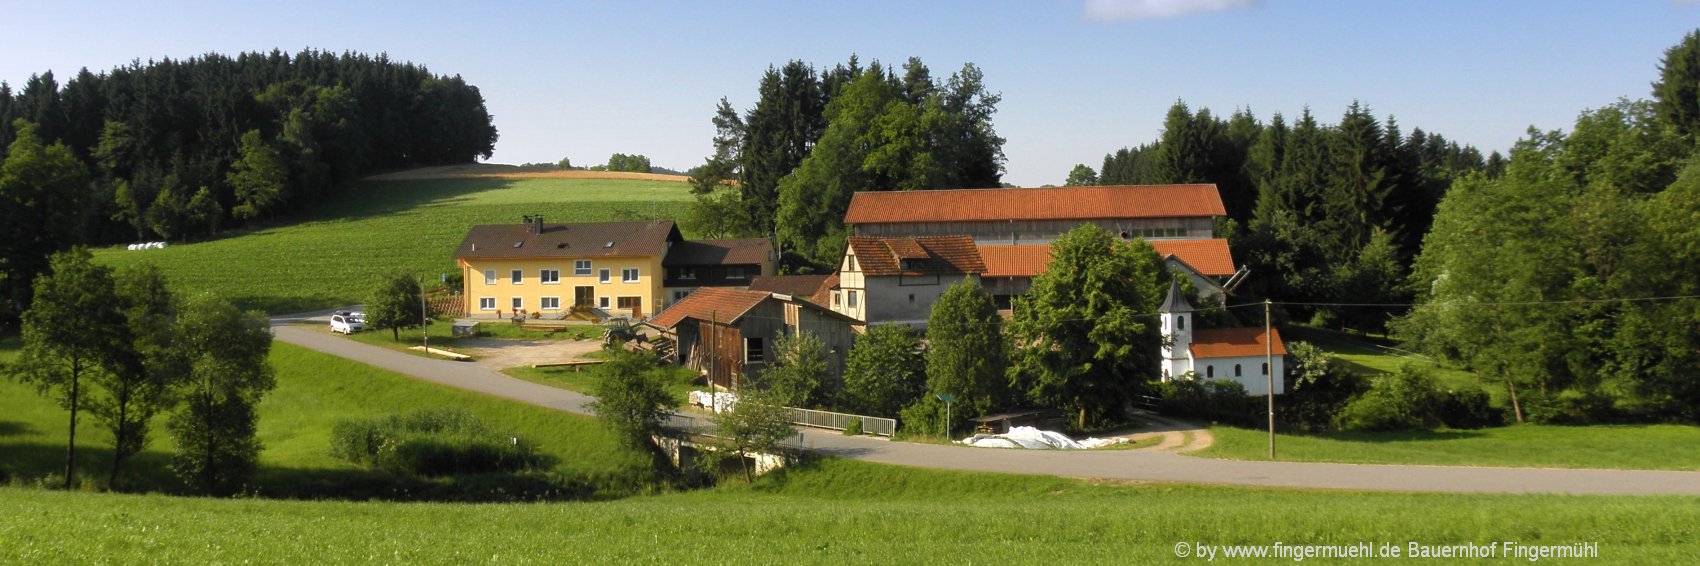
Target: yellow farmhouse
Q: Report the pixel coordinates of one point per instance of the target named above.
(619, 268)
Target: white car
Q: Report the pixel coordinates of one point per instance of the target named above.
(348, 322)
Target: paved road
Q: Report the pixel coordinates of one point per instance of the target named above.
(1116, 465)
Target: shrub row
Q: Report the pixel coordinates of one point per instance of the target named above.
(1411, 399)
(434, 443)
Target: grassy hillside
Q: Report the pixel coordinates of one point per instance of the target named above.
(1371, 356)
(332, 255)
(839, 512)
(314, 392)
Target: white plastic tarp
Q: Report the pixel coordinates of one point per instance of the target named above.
(1031, 438)
(717, 402)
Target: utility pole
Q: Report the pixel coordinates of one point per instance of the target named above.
(424, 319)
(1269, 372)
(713, 361)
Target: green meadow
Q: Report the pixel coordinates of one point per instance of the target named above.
(332, 255)
(832, 512)
(314, 392)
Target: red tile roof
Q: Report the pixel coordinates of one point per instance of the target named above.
(1015, 261)
(736, 251)
(944, 254)
(816, 289)
(1209, 257)
(1059, 203)
(710, 304)
(1233, 343)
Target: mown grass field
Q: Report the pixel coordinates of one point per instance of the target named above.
(835, 513)
(332, 255)
(442, 336)
(584, 379)
(1640, 447)
(1369, 356)
(314, 392)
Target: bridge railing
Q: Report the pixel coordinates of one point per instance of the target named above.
(840, 421)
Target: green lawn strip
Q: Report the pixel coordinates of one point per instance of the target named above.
(583, 379)
(836, 512)
(1369, 356)
(314, 392)
(1643, 447)
(333, 255)
(442, 337)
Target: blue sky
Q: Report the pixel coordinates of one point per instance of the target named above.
(1079, 78)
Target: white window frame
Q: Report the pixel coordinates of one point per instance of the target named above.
(628, 275)
(604, 275)
(602, 302)
(490, 277)
(486, 303)
(517, 276)
(581, 267)
(518, 303)
(543, 303)
(549, 276)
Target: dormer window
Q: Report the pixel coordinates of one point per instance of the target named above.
(913, 264)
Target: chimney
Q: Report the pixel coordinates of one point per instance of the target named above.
(539, 221)
(526, 220)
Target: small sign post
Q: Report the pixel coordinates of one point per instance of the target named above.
(948, 399)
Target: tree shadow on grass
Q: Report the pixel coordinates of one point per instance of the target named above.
(148, 471)
(14, 428)
(1402, 436)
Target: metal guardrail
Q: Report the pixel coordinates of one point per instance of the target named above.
(840, 421)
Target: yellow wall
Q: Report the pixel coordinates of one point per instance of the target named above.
(531, 290)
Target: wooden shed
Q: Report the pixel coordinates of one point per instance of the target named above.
(729, 334)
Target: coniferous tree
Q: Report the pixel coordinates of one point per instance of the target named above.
(1677, 91)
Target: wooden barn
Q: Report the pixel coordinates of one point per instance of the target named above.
(729, 334)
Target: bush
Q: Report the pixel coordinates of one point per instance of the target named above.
(854, 428)
(1213, 400)
(433, 443)
(1469, 408)
(926, 417)
(1407, 399)
(1571, 406)
(1410, 399)
(1322, 387)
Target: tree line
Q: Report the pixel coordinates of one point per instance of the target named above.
(1316, 211)
(178, 149)
(120, 346)
(788, 165)
(1569, 280)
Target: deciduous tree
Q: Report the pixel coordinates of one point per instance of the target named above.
(72, 332)
(224, 351)
(966, 353)
(1084, 339)
(631, 397)
(396, 304)
(886, 371)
